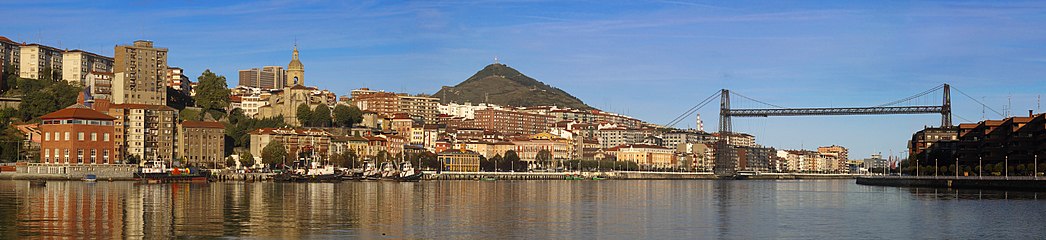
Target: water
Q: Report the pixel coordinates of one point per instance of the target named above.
(704, 209)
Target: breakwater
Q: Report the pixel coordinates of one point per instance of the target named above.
(990, 183)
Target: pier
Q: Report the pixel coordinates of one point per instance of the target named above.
(1023, 183)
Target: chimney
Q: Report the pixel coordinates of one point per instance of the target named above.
(1030, 113)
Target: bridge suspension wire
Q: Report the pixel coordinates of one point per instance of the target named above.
(960, 117)
(692, 110)
(938, 87)
(979, 102)
(754, 100)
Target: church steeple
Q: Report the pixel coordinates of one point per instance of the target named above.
(295, 70)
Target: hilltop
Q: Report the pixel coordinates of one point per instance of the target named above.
(502, 85)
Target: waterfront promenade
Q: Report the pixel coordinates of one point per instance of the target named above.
(1026, 183)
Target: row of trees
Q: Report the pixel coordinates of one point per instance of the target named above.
(322, 116)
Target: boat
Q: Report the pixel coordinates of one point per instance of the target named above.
(309, 170)
(598, 178)
(408, 173)
(489, 178)
(90, 178)
(575, 177)
(159, 172)
(389, 171)
(370, 172)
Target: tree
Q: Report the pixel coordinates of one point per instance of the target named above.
(229, 162)
(543, 157)
(513, 162)
(132, 159)
(59, 95)
(498, 161)
(347, 116)
(179, 99)
(274, 153)
(321, 117)
(246, 159)
(486, 165)
(304, 114)
(189, 114)
(212, 93)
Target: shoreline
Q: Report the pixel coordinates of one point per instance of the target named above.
(432, 175)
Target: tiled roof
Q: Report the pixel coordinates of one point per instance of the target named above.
(77, 111)
(202, 124)
(141, 106)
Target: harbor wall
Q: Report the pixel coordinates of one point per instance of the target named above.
(1026, 184)
(30, 171)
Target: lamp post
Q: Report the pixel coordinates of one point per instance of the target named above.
(935, 167)
(956, 167)
(980, 167)
(1035, 173)
(1006, 167)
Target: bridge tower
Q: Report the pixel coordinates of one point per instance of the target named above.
(725, 164)
(946, 107)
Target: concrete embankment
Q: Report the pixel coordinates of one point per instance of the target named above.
(1014, 183)
(620, 175)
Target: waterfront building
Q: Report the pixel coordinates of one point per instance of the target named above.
(201, 143)
(648, 156)
(929, 137)
(267, 77)
(140, 74)
(299, 142)
(754, 158)
(40, 62)
(837, 158)
(147, 132)
(285, 103)
(77, 135)
(457, 160)
(78, 64)
(1014, 140)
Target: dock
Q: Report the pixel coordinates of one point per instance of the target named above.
(1022, 183)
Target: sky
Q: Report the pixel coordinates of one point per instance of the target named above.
(649, 59)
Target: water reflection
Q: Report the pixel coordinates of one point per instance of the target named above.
(820, 209)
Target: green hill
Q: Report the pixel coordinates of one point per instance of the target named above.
(503, 85)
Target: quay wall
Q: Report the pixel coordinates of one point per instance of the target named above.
(33, 171)
(1014, 183)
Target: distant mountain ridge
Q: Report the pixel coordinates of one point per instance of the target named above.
(502, 85)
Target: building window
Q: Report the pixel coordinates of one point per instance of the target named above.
(79, 156)
(47, 136)
(66, 155)
(47, 155)
(105, 156)
(80, 136)
(94, 156)
(67, 136)
(106, 137)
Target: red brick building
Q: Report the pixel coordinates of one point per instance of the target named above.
(512, 122)
(77, 135)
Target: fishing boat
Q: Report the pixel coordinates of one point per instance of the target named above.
(310, 170)
(574, 177)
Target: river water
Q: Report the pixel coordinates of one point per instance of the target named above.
(610, 209)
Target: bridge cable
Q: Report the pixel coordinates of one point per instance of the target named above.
(938, 87)
(752, 99)
(692, 109)
(978, 102)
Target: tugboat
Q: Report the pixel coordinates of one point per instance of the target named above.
(308, 170)
(371, 172)
(158, 172)
(408, 173)
(389, 171)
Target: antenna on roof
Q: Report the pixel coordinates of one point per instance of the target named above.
(496, 60)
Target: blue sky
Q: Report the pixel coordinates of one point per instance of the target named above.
(650, 59)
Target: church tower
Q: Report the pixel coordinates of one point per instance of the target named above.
(295, 71)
